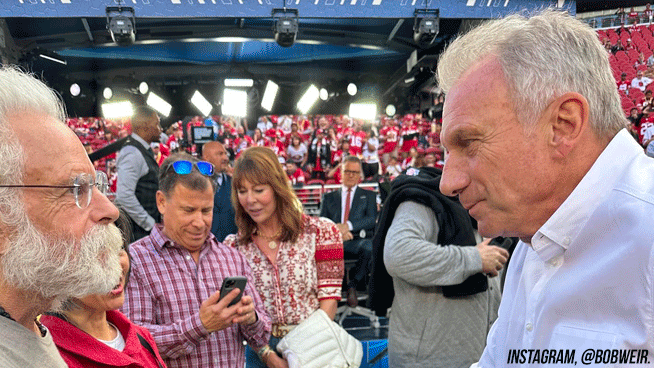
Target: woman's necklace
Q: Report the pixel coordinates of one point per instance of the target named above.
(272, 240)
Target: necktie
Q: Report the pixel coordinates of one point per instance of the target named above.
(347, 205)
(219, 181)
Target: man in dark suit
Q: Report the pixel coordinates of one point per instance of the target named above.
(223, 212)
(354, 210)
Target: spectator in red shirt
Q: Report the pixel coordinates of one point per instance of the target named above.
(633, 16)
(647, 13)
(295, 174)
(623, 84)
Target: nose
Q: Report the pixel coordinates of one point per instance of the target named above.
(198, 220)
(454, 179)
(101, 209)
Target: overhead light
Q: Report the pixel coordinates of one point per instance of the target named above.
(324, 95)
(52, 57)
(363, 111)
(390, 110)
(285, 26)
(158, 104)
(201, 103)
(352, 89)
(107, 93)
(75, 90)
(425, 26)
(121, 24)
(269, 95)
(238, 82)
(308, 99)
(235, 102)
(143, 88)
(116, 110)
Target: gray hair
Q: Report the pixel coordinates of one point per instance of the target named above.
(168, 178)
(542, 56)
(353, 159)
(20, 92)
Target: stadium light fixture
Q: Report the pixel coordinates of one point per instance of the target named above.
(143, 88)
(121, 24)
(158, 104)
(201, 103)
(269, 95)
(285, 26)
(352, 89)
(235, 102)
(117, 110)
(239, 82)
(390, 110)
(308, 99)
(75, 90)
(363, 111)
(324, 95)
(426, 24)
(107, 93)
(52, 56)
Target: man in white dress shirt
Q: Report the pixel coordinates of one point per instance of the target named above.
(538, 149)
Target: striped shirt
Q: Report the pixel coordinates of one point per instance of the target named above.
(165, 290)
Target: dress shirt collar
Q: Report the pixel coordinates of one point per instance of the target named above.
(140, 140)
(344, 189)
(161, 240)
(563, 227)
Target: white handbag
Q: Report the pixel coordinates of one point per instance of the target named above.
(319, 342)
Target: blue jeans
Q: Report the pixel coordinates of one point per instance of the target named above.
(252, 359)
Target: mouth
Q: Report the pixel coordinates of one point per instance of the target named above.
(254, 213)
(118, 289)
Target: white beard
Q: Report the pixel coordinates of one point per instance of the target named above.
(62, 268)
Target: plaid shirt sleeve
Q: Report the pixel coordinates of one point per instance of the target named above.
(173, 340)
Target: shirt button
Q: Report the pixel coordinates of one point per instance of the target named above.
(188, 257)
(566, 240)
(529, 326)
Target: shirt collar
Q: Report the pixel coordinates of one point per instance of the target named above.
(354, 189)
(140, 140)
(161, 240)
(563, 227)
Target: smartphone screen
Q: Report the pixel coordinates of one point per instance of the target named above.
(231, 283)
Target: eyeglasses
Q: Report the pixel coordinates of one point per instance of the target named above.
(82, 187)
(184, 167)
(351, 172)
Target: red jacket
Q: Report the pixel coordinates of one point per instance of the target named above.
(81, 350)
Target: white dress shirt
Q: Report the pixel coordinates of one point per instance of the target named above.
(587, 280)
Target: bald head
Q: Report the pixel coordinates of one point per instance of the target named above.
(215, 153)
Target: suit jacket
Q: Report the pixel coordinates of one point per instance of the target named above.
(363, 212)
(223, 212)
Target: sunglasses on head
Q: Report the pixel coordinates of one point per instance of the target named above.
(184, 167)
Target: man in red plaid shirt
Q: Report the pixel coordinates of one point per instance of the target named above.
(176, 276)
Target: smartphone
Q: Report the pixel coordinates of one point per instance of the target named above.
(231, 283)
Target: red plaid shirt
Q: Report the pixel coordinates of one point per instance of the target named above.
(164, 293)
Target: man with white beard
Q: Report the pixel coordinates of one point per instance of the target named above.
(57, 238)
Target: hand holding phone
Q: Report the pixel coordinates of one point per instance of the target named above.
(231, 283)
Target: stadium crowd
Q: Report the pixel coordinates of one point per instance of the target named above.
(314, 145)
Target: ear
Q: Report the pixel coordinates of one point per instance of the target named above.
(568, 122)
(161, 202)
